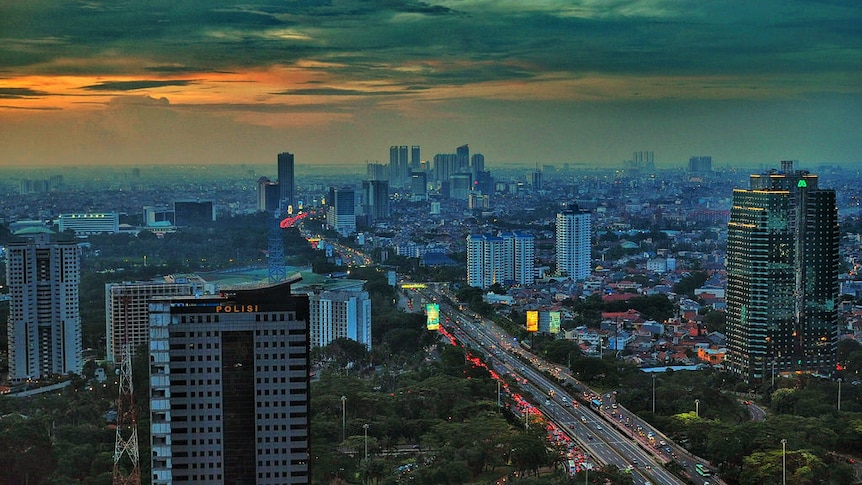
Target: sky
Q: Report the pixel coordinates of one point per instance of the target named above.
(134, 82)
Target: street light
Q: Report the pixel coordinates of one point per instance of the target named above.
(365, 427)
(697, 407)
(343, 418)
(653, 393)
(783, 462)
(839, 394)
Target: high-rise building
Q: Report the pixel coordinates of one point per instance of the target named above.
(782, 276)
(44, 327)
(415, 159)
(377, 198)
(340, 314)
(341, 215)
(399, 168)
(229, 387)
(701, 164)
(194, 212)
(127, 315)
(377, 171)
(574, 234)
(506, 258)
(268, 195)
(286, 181)
(418, 186)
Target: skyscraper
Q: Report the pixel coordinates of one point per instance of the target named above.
(286, 181)
(268, 195)
(44, 329)
(782, 276)
(341, 214)
(229, 387)
(377, 198)
(127, 316)
(574, 233)
(415, 159)
(399, 168)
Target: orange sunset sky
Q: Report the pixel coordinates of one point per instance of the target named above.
(125, 83)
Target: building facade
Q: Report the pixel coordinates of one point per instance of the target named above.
(782, 276)
(507, 258)
(90, 223)
(341, 213)
(127, 315)
(340, 314)
(574, 236)
(44, 326)
(229, 388)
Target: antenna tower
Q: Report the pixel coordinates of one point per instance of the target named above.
(128, 471)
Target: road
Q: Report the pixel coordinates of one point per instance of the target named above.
(609, 432)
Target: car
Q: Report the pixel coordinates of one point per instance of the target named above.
(598, 426)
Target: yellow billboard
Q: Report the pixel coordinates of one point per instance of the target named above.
(433, 312)
(532, 321)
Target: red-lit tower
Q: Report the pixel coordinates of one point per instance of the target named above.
(126, 470)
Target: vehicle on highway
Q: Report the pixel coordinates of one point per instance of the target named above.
(702, 470)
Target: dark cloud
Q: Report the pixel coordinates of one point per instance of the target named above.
(18, 93)
(133, 85)
(335, 92)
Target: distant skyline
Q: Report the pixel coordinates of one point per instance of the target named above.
(339, 81)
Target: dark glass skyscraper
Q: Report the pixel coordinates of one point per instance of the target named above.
(782, 276)
(286, 180)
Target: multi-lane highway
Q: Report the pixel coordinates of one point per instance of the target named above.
(606, 430)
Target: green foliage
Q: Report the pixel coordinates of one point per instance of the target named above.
(688, 284)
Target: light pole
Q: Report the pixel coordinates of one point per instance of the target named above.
(697, 407)
(653, 393)
(365, 427)
(343, 418)
(839, 394)
(498, 393)
(783, 462)
(773, 373)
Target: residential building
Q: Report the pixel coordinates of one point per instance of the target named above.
(507, 258)
(44, 326)
(574, 235)
(340, 314)
(341, 214)
(229, 387)
(782, 276)
(127, 315)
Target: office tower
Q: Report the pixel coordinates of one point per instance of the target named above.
(477, 163)
(286, 182)
(90, 223)
(127, 316)
(536, 180)
(194, 212)
(340, 314)
(418, 186)
(415, 159)
(229, 387)
(377, 171)
(44, 326)
(459, 186)
(377, 198)
(158, 216)
(398, 166)
(484, 182)
(700, 164)
(782, 276)
(462, 154)
(341, 215)
(574, 233)
(268, 195)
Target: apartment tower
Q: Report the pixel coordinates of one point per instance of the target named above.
(44, 326)
(574, 235)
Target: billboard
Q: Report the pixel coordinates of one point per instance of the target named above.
(554, 322)
(433, 312)
(532, 321)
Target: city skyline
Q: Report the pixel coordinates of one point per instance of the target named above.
(542, 82)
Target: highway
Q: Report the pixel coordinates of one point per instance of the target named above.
(608, 432)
